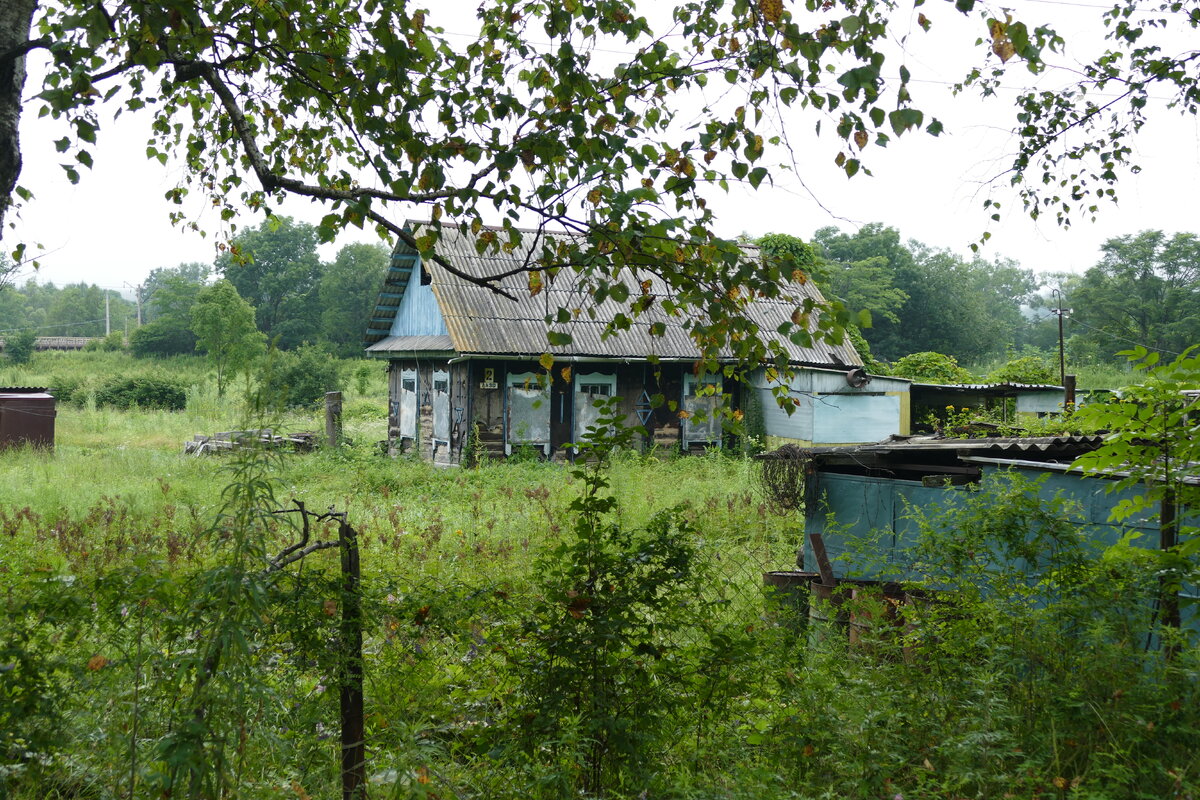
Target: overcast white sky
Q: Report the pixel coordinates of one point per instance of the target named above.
(113, 227)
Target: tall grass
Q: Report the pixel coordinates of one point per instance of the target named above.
(1089, 375)
(113, 557)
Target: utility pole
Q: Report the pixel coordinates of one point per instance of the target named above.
(1062, 361)
(137, 293)
(107, 328)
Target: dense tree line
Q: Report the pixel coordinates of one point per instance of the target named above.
(76, 309)
(1145, 290)
(294, 298)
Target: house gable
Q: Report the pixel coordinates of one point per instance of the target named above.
(405, 306)
(418, 313)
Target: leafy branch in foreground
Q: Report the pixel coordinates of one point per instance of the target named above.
(1153, 445)
(577, 116)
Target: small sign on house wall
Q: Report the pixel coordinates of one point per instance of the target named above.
(489, 379)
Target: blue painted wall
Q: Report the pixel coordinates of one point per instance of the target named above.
(831, 412)
(838, 418)
(418, 314)
(866, 526)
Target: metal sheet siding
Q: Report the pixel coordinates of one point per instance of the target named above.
(850, 418)
(26, 418)
(1041, 402)
(777, 422)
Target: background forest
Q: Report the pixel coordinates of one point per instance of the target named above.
(296, 297)
(1144, 290)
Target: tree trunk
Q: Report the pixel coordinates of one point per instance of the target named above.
(16, 18)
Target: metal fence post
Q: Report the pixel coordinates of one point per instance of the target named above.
(354, 749)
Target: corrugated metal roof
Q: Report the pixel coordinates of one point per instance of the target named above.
(1056, 446)
(411, 344)
(984, 387)
(1190, 480)
(482, 321)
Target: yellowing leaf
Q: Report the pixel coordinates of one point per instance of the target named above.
(772, 10)
(565, 372)
(546, 360)
(578, 605)
(1002, 46)
(329, 607)
(535, 283)
(861, 138)
(97, 662)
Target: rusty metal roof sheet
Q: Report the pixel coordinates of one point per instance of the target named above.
(484, 322)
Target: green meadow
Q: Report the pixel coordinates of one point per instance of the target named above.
(530, 630)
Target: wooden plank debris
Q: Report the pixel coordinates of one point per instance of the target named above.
(226, 441)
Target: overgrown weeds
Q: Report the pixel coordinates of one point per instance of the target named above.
(534, 631)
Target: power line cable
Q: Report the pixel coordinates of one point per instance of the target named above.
(1112, 335)
(45, 327)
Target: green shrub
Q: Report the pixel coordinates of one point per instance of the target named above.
(1026, 369)
(19, 347)
(362, 377)
(302, 376)
(72, 390)
(161, 338)
(142, 393)
(114, 342)
(932, 368)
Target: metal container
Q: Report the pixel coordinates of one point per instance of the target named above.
(26, 417)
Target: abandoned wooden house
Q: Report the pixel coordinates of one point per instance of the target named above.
(464, 365)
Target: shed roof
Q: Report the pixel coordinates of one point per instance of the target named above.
(998, 389)
(413, 344)
(1037, 447)
(480, 321)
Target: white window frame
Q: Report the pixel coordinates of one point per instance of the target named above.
(589, 380)
(711, 435)
(526, 380)
(441, 376)
(407, 399)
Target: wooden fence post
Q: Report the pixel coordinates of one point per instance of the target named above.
(333, 418)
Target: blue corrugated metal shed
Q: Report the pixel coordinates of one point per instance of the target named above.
(860, 498)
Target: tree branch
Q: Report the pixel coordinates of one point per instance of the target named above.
(13, 53)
